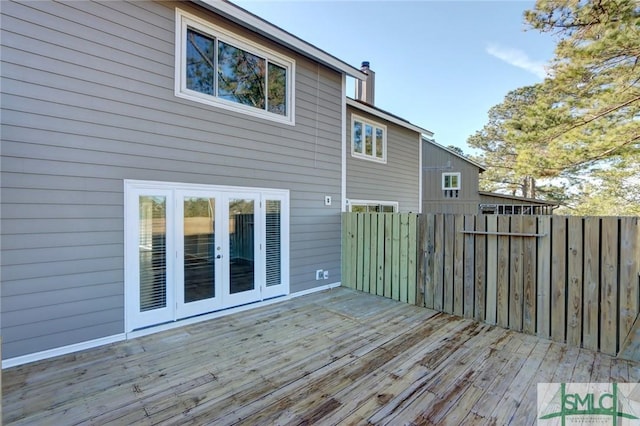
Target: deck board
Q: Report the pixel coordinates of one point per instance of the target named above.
(334, 357)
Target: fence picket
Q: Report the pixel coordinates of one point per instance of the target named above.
(529, 276)
(503, 272)
(404, 258)
(395, 271)
(543, 277)
(629, 274)
(608, 286)
(379, 274)
(480, 270)
(428, 247)
(412, 282)
(516, 285)
(359, 250)
(590, 298)
(469, 266)
(558, 278)
(388, 254)
(574, 290)
(458, 266)
(492, 270)
(438, 264)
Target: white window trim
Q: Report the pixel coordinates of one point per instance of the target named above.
(451, 188)
(375, 125)
(184, 20)
(394, 204)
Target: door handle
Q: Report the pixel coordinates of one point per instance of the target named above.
(219, 256)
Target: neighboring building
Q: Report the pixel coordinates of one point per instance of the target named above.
(450, 184)
(494, 203)
(139, 188)
(383, 155)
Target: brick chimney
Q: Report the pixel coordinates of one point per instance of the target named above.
(365, 90)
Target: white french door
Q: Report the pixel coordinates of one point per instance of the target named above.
(194, 249)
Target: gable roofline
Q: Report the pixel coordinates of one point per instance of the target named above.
(256, 24)
(452, 152)
(387, 116)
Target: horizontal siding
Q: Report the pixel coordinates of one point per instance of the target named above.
(88, 101)
(435, 162)
(450, 207)
(397, 180)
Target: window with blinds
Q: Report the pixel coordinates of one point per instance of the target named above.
(153, 252)
(272, 243)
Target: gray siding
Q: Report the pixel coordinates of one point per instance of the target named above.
(435, 161)
(398, 179)
(88, 101)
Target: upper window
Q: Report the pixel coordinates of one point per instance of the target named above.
(368, 139)
(450, 181)
(219, 68)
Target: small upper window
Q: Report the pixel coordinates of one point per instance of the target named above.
(368, 140)
(222, 69)
(450, 181)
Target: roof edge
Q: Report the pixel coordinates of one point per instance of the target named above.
(254, 23)
(387, 116)
(462, 157)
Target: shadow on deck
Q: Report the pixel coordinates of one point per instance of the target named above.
(335, 357)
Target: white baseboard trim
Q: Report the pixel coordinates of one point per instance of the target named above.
(225, 312)
(315, 290)
(62, 350)
(89, 344)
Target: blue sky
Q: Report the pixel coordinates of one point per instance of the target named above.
(439, 64)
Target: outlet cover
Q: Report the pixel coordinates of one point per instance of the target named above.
(327, 200)
(319, 274)
(326, 275)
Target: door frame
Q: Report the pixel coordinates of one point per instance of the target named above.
(134, 188)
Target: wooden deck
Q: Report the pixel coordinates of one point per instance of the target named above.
(335, 357)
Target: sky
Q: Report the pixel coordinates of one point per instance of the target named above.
(439, 64)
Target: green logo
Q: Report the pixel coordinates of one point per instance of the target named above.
(585, 400)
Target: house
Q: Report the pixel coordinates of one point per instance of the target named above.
(139, 190)
(383, 168)
(168, 162)
(450, 184)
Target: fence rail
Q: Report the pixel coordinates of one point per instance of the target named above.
(569, 279)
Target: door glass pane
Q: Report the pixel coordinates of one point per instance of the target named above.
(272, 242)
(241, 253)
(152, 252)
(199, 243)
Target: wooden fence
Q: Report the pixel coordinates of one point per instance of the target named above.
(570, 279)
(380, 254)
